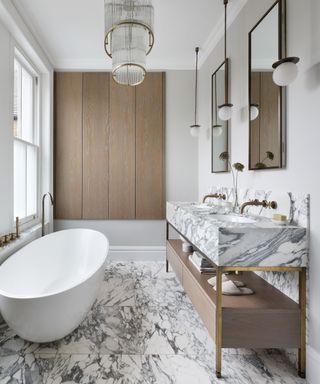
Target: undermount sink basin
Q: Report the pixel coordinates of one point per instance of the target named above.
(202, 206)
(235, 219)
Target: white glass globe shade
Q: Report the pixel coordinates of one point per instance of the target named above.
(216, 130)
(285, 74)
(254, 112)
(194, 130)
(225, 112)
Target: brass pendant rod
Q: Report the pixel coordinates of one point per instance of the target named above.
(196, 89)
(285, 28)
(226, 93)
(225, 28)
(216, 101)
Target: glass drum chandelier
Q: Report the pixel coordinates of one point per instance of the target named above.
(129, 38)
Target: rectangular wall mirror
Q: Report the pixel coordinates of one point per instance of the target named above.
(219, 128)
(266, 99)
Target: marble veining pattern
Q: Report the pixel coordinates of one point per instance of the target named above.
(299, 214)
(297, 209)
(142, 329)
(262, 243)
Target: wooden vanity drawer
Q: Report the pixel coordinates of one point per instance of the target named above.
(174, 261)
(203, 305)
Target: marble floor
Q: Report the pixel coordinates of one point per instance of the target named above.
(142, 329)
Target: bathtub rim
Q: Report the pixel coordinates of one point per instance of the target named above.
(68, 288)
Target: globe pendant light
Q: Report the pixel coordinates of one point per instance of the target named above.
(285, 69)
(194, 129)
(216, 130)
(129, 38)
(254, 111)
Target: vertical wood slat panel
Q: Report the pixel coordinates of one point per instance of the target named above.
(95, 145)
(68, 146)
(135, 152)
(255, 124)
(122, 152)
(150, 185)
(270, 138)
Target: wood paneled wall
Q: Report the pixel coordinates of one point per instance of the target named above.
(150, 135)
(265, 129)
(270, 137)
(68, 145)
(255, 124)
(95, 126)
(122, 175)
(109, 147)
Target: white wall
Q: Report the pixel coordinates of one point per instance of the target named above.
(5, 133)
(303, 137)
(181, 171)
(15, 33)
(181, 147)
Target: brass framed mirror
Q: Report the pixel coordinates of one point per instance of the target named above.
(219, 128)
(267, 102)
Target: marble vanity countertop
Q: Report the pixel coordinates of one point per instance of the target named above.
(261, 242)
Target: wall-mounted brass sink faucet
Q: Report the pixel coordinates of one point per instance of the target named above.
(221, 196)
(5, 239)
(42, 211)
(256, 203)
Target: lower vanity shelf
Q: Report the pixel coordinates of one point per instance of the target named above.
(266, 319)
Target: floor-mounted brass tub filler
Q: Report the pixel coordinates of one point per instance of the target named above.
(42, 211)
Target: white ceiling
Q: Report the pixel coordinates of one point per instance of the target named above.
(72, 31)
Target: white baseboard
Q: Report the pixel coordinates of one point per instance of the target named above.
(313, 366)
(137, 253)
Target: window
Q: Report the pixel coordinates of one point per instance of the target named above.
(26, 141)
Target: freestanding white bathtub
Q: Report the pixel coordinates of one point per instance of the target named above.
(47, 287)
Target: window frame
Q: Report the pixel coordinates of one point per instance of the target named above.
(25, 64)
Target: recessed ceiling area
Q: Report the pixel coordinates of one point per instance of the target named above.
(72, 32)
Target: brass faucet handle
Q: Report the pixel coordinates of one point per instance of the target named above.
(270, 204)
(273, 204)
(7, 238)
(222, 196)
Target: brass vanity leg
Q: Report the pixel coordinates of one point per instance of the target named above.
(218, 321)
(302, 305)
(167, 237)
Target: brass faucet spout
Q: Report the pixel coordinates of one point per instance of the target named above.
(221, 196)
(42, 212)
(256, 203)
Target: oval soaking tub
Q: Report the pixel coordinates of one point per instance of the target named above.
(47, 287)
